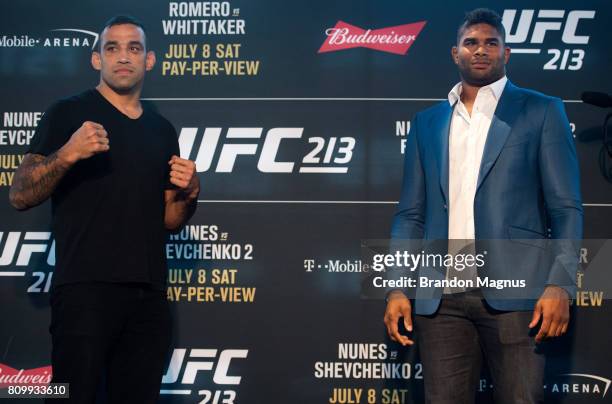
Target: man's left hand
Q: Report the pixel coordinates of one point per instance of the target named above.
(183, 175)
(553, 309)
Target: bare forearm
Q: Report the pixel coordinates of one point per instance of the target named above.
(36, 179)
(178, 211)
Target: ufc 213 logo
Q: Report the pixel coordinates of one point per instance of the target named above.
(191, 367)
(326, 156)
(566, 29)
(18, 248)
(28, 253)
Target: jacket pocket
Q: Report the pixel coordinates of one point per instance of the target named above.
(526, 236)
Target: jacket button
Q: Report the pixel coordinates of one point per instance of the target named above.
(445, 207)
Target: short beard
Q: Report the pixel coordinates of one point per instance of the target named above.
(482, 81)
(121, 90)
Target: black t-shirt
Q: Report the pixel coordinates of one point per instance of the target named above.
(108, 210)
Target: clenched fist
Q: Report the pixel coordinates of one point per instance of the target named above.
(183, 175)
(90, 139)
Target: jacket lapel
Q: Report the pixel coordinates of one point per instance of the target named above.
(441, 131)
(508, 109)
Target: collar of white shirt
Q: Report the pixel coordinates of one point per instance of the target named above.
(496, 88)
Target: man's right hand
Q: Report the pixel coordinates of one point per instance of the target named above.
(398, 305)
(90, 139)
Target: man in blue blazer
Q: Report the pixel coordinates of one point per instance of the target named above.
(494, 162)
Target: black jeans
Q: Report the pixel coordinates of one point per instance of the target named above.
(120, 331)
(453, 341)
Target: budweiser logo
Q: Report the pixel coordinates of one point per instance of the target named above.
(11, 376)
(395, 40)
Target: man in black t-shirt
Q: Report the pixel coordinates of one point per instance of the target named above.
(111, 168)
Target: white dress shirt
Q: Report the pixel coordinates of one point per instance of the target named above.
(467, 138)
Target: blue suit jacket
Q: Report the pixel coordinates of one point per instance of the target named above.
(528, 183)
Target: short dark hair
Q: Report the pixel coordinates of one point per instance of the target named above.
(482, 16)
(119, 20)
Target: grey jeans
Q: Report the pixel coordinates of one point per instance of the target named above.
(453, 342)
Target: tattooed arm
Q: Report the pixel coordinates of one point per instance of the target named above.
(36, 179)
(38, 176)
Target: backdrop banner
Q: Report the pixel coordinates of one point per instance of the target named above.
(296, 114)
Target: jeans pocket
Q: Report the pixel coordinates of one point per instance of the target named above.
(513, 328)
